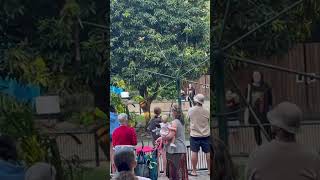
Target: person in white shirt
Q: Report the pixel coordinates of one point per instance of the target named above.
(125, 161)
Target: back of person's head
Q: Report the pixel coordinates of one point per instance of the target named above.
(199, 99)
(164, 118)
(222, 161)
(157, 111)
(123, 118)
(41, 171)
(8, 150)
(124, 159)
(177, 113)
(285, 119)
(126, 175)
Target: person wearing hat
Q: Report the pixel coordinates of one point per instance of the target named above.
(283, 157)
(199, 132)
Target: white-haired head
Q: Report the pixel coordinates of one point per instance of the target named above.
(41, 171)
(123, 118)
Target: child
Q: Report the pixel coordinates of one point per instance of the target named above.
(166, 129)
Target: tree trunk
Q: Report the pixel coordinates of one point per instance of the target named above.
(76, 40)
(146, 104)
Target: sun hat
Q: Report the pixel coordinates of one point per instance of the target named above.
(286, 116)
(199, 98)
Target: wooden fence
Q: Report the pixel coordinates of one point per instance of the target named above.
(202, 85)
(305, 92)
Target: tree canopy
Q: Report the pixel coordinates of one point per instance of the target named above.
(167, 37)
(292, 27)
(51, 44)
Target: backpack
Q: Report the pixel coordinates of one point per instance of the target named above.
(154, 127)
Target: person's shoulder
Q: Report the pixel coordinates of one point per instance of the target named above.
(142, 178)
(266, 85)
(310, 154)
(206, 110)
(131, 128)
(263, 150)
(192, 109)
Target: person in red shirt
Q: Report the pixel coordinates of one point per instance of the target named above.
(124, 135)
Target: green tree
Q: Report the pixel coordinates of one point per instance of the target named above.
(168, 37)
(54, 46)
(292, 27)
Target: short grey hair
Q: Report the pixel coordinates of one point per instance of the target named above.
(123, 118)
(41, 171)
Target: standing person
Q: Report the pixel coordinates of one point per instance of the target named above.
(233, 105)
(183, 95)
(284, 158)
(199, 132)
(154, 124)
(9, 166)
(114, 123)
(176, 156)
(259, 96)
(124, 135)
(191, 94)
(154, 129)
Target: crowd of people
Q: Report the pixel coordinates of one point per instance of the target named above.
(168, 137)
(280, 158)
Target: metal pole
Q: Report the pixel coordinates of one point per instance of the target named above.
(220, 97)
(273, 67)
(178, 92)
(96, 144)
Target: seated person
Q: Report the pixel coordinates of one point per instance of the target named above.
(125, 162)
(9, 166)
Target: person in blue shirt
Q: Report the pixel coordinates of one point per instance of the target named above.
(114, 123)
(9, 167)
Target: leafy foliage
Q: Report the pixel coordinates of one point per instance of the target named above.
(48, 45)
(292, 27)
(117, 103)
(168, 37)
